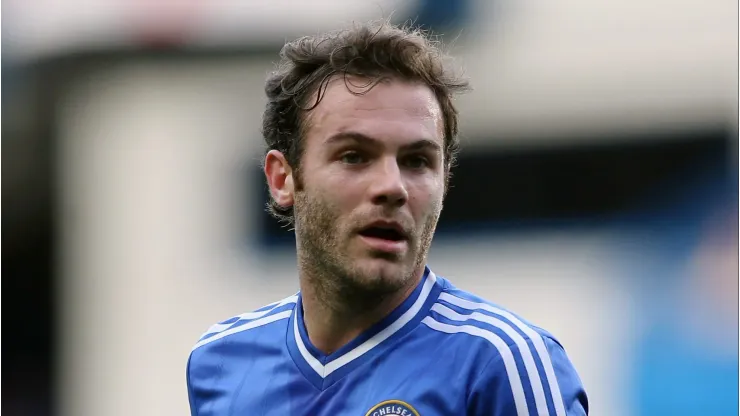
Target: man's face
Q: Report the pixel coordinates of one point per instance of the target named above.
(371, 184)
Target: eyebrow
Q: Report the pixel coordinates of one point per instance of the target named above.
(367, 140)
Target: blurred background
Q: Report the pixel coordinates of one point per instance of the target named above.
(596, 192)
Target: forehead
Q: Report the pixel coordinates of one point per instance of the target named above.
(391, 110)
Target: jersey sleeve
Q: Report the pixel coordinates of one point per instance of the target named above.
(504, 387)
(191, 394)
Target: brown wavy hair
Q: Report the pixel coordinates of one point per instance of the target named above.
(373, 51)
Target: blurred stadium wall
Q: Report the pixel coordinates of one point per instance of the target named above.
(596, 193)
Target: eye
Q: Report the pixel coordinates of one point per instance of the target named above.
(352, 158)
(416, 162)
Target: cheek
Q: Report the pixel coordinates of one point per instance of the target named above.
(345, 191)
(337, 197)
(426, 197)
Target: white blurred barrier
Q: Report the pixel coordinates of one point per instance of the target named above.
(568, 68)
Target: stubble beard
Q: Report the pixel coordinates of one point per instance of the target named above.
(339, 283)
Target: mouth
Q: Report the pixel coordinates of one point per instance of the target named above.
(385, 236)
(391, 231)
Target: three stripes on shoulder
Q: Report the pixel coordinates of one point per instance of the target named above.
(504, 349)
(249, 320)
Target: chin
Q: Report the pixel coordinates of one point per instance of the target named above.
(383, 273)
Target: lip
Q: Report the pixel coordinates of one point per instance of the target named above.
(386, 246)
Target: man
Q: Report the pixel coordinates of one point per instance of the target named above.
(361, 134)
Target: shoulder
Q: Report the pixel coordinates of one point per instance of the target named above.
(265, 317)
(461, 313)
(524, 364)
(229, 347)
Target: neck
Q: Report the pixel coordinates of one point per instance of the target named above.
(333, 319)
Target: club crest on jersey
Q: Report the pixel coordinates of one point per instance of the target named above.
(392, 408)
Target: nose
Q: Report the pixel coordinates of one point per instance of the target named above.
(387, 187)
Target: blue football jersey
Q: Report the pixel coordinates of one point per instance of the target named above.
(442, 352)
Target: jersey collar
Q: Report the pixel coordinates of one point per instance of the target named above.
(323, 370)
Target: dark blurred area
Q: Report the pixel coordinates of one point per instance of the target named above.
(28, 239)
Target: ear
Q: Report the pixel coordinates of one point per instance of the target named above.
(279, 178)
